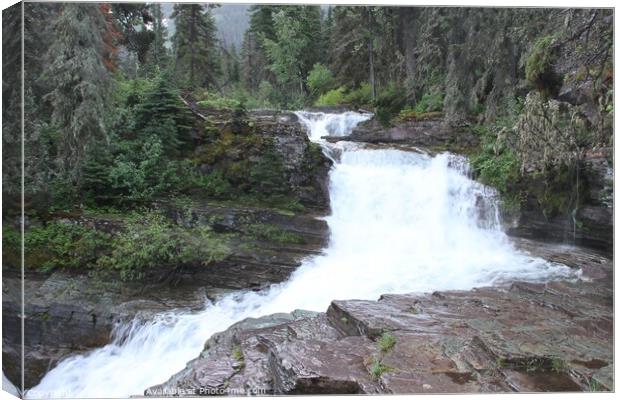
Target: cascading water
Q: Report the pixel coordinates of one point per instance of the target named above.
(401, 222)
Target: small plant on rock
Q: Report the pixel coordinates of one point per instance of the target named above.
(377, 368)
(386, 342)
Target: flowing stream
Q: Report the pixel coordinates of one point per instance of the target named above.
(401, 222)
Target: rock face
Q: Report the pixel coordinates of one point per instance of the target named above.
(70, 312)
(233, 142)
(590, 225)
(429, 133)
(526, 337)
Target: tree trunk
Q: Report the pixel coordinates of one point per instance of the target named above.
(371, 56)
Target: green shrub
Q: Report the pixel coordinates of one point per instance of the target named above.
(150, 240)
(63, 244)
(389, 103)
(359, 97)
(498, 171)
(215, 101)
(430, 102)
(497, 167)
(215, 185)
(334, 97)
(320, 79)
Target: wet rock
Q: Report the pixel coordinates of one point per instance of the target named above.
(430, 133)
(590, 225)
(555, 336)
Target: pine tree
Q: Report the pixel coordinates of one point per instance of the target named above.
(195, 46)
(157, 56)
(163, 114)
(295, 48)
(76, 80)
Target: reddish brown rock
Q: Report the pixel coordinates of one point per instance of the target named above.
(522, 337)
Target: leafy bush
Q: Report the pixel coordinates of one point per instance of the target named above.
(215, 185)
(497, 167)
(389, 103)
(58, 244)
(430, 102)
(320, 79)
(151, 240)
(334, 97)
(215, 101)
(359, 97)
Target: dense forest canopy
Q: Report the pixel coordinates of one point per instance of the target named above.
(106, 84)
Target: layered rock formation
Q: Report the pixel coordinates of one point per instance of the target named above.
(524, 337)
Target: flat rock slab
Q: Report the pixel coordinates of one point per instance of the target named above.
(526, 337)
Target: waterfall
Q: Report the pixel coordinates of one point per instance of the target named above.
(401, 222)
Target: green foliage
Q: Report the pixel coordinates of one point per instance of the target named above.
(237, 354)
(162, 114)
(195, 44)
(294, 49)
(76, 81)
(386, 342)
(362, 96)
(59, 244)
(215, 101)
(388, 104)
(410, 114)
(150, 240)
(273, 233)
(215, 185)
(377, 368)
(539, 64)
(320, 79)
(429, 102)
(333, 97)
(501, 169)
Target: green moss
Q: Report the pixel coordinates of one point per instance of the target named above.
(273, 233)
(539, 64)
(237, 354)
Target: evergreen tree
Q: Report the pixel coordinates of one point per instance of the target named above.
(163, 114)
(157, 56)
(254, 62)
(76, 80)
(131, 20)
(195, 45)
(295, 48)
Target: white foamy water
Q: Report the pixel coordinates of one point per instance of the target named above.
(401, 222)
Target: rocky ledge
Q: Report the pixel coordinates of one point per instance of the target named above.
(523, 337)
(71, 312)
(429, 133)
